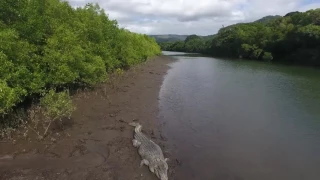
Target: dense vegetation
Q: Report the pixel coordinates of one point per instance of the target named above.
(294, 38)
(45, 44)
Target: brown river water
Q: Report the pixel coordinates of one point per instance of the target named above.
(241, 120)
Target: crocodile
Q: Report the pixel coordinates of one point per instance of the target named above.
(150, 153)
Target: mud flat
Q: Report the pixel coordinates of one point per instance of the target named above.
(95, 144)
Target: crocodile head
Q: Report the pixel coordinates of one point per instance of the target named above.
(161, 170)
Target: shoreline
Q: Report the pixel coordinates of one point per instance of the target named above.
(95, 143)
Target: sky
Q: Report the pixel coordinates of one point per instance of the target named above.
(201, 17)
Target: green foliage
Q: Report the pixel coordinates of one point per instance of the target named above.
(10, 11)
(192, 38)
(56, 105)
(174, 46)
(46, 44)
(256, 54)
(294, 38)
(246, 50)
(8, 97)
(193, 43)
(267, 56)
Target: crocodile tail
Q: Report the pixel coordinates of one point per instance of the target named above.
(137, 127)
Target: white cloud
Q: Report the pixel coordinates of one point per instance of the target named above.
(191, 16)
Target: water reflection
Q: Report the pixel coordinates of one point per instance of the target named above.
(229, 119)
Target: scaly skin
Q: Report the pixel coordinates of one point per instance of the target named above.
(150, 153)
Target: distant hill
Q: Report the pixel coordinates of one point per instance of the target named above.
(267, 19)
(169, 37)
(163, 38)
(263, 20)
(174, 37)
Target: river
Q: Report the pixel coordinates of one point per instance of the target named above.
(241, 120)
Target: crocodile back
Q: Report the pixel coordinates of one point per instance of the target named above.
(148, 148)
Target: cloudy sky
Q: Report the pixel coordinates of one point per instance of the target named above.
(201, 17)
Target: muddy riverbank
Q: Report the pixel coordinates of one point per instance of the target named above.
(95, 144)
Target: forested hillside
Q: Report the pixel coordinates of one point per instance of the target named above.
(45, 44)
(294, 38)
(169, 37)
(267, 19)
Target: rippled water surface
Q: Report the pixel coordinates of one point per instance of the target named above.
(241, 120)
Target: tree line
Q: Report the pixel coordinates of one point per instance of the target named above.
(46, 44)
(293, 38)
